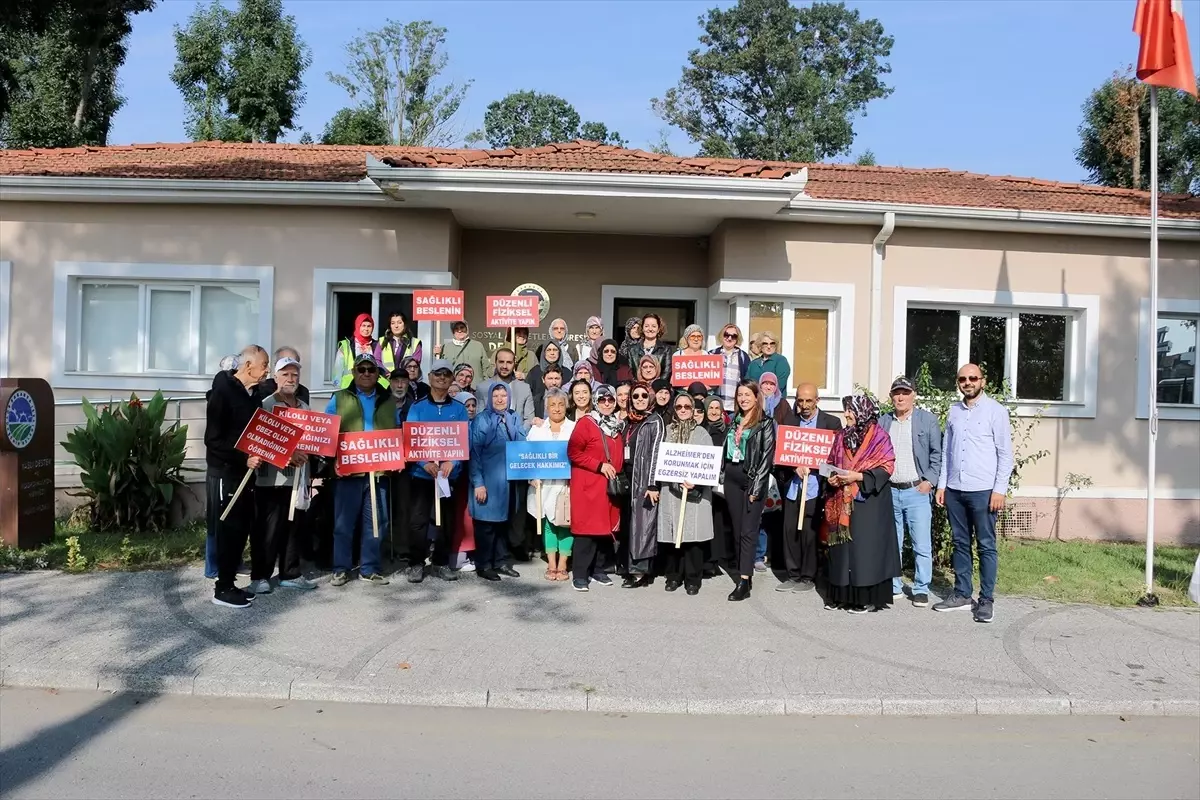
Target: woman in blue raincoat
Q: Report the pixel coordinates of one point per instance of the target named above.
(491, 501)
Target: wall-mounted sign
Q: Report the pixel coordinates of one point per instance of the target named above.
(541, 294)
(26, 462)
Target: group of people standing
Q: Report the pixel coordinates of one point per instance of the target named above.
(615, 406)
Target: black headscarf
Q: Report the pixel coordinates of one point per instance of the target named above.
(607, 372)
(666, 411)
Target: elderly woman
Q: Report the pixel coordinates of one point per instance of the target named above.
(550, 354)
(525, 359)
(580, 398)
(643, 434)
(662, 399)
(648, 369)
(685, 546)
(558, 335)
(607, 368)
(769, 359)
(583, 372)
(596, 452)
(863, 552)
(774, 403)
(491, 499)
(692, 342)
(464, 378)
(556, 496)
(722, 550)
(633, 335)
(594, 330)
(418, 387)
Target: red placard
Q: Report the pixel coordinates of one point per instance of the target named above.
(370, 451)
(270, 438)
(708, 369)
(513, 311)
(802, 447)
(319, 430)
(438, 305)
(436, 441)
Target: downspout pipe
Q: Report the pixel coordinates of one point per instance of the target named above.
(877, 256)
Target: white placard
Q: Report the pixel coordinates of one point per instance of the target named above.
(699, 465)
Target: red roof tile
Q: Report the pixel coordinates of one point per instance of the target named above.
(288, 162)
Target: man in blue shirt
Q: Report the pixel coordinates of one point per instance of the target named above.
(439, 406)
(977, 460)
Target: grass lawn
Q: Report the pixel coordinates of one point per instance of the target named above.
(116, 550)
(1104, 573)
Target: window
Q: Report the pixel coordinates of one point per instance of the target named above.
(349, 303)
(1177, 339)
(803, 331)
(149, 326)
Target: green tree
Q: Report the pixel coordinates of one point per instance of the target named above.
(19, 19)
(267, 60)
(356, 126)
(662, 145)
(866, 159)
(532, 119)
(777, 82)
(202, 75)
(1114, 138)
(395, 71)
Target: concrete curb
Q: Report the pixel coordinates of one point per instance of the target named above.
(581, 700)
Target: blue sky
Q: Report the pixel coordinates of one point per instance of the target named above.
(989, 86)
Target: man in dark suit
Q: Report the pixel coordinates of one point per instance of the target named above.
(800, 534)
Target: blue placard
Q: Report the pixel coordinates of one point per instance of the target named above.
(538, 460)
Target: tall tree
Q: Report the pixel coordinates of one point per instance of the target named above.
(776, 82)
(202, 74)
(99, 28)
(19, 19)
(532, 119)
(267, 60)
(1114, 138)
(356, 126)
(395, 71)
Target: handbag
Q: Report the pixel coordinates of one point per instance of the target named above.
(773, 501)
(618, 485)
(562, 507)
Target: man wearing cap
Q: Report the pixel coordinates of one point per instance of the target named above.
(364, 405)
(917, 440)
(439, 406)
(275, 537)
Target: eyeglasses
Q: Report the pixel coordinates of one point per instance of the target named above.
(768, 344)
(608, 351)
(366, 370)
(606, 399)
(969, 378)
(640, 396)
(441, 373)
(682, 407)
(729, 336)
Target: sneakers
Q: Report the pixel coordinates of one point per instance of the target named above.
(297, 583)
(579, 585)
(801, 586)
(259, 586)
(786, 586)
(246, 593)
(340, 578)
(230, 598)
(832, 606)
(898, 596)
(445, 573)
(983, 610)
(955, 602)
(375, 578)
(760, 566)
(920, 600)
(508, 572)
(856, 610)
(416, 573)
(602, 579)
(468, 566)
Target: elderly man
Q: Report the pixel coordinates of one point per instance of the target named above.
(917, 439)
(231, 404)
(269, 385)
(977, 460)
(276, 538)
(365, 405)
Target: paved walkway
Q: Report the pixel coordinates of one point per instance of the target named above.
(529, 643)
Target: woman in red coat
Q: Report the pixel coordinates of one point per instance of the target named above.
(596, 451)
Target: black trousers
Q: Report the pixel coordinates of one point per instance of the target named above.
(745, 518)
(400, 499)
(491, 544)
(233, 532)
(585, 551)
(800, 540)
(274, 539)
(685, 564)
(422, 494)
(723, 550)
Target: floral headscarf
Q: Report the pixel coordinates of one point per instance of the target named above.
(610, 424)
(866, 414)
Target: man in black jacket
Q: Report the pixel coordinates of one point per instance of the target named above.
(800, 535)
(231, 403)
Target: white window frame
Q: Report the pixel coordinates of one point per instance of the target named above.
(69, 276)
(836, 298)
(328, 279)
(1167, 307)
(1083, 334)
(5, 314)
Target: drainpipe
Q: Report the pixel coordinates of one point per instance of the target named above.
(877, 252)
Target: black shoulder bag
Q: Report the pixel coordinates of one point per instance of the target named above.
(618, 485)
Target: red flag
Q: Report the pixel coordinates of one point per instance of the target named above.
(1164, 58)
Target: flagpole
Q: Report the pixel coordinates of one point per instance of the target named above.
(1149, 599)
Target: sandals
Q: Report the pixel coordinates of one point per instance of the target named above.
(551, 575)
(562, 575)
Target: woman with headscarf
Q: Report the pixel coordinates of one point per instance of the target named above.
(648, 369)
(491, 499)
(462, 349)
(358, 342)
(633, 335)
(859, 523)
(644, 431)
(662, 399)
(685, 560)
(558, 335)
(590, 350)
(418, 387)
(596, 452)
(464, 378)
(608, 368)
(556, 522)
(524, 358)
(580, 399)
(692, 343)
(721, 550)
(583, 372)
(550, 354)
(774, 405)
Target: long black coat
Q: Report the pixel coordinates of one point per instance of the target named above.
(872, 555)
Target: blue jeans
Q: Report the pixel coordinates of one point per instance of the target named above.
(760, 551)
(969, 516)
(352, 514)
(911, 507)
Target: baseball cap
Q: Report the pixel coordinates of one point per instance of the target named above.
(366, 358)
(287, 361)
(440, 365)
(902, 384)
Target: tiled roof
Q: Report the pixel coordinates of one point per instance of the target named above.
(293, 162)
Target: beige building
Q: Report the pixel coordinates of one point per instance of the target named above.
(137, 268)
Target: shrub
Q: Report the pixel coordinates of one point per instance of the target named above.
(130, 465)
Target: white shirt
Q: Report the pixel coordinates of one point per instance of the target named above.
(906, 465)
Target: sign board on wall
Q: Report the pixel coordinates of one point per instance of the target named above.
(26, 462)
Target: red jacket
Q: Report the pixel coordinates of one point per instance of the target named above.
(593, 513)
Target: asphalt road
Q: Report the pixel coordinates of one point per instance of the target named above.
(90, 745)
